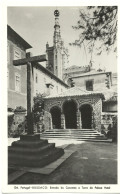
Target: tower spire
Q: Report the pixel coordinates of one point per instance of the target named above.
(57, 54)
(57, 35)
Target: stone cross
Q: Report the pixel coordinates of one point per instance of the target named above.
(29, 61)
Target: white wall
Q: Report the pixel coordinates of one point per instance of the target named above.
(99, 81)
(43, 79)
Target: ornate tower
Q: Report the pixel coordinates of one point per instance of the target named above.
(57, 46)
(56, 54)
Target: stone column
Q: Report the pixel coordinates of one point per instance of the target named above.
(78, 118)
(51, 124)
(79, 121)
(62, 121)
(92, 121)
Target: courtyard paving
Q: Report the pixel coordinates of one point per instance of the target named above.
(91, 163)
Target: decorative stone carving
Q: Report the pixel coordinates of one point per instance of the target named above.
(62, 121)
(47, 121)
(94, 101)
(20, 109)
(78, 118)
(92, 122)
(52, 103)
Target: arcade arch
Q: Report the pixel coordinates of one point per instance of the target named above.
(86, 116)
(70, 110)
(56, 117)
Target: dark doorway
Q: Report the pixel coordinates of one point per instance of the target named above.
(56, 117)
(86, 116)
(69, 109)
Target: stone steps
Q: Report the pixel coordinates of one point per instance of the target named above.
(29, 144)
(30, 152)
(69, 134)
(80, 132)
(83, 139)
(77, 134)
(33, 161)
(69, 137)
(71, 130)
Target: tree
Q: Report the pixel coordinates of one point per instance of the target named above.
(38, 102)
(98, 29)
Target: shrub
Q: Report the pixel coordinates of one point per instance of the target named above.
(109, 132)
(114, 130)
(10, 123)
(38, 111)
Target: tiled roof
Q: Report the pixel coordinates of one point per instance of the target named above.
(101, 90)
(76, 91)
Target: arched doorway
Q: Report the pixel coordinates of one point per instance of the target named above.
(56, 117)
(69, 109)
(86, 116)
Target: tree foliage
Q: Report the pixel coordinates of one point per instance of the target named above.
(38, 102)
(98, 28)
(38, 107)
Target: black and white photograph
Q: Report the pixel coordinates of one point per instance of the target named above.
(62, 98)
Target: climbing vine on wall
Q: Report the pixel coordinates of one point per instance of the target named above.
(38, 111)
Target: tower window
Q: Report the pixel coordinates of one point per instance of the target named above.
(89, 85)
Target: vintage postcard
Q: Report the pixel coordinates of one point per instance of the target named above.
(61, 97)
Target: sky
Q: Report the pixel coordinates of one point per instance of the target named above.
(36, 26)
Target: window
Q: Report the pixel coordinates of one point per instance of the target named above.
(89, 85)
(17, 82)
(17, 55)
